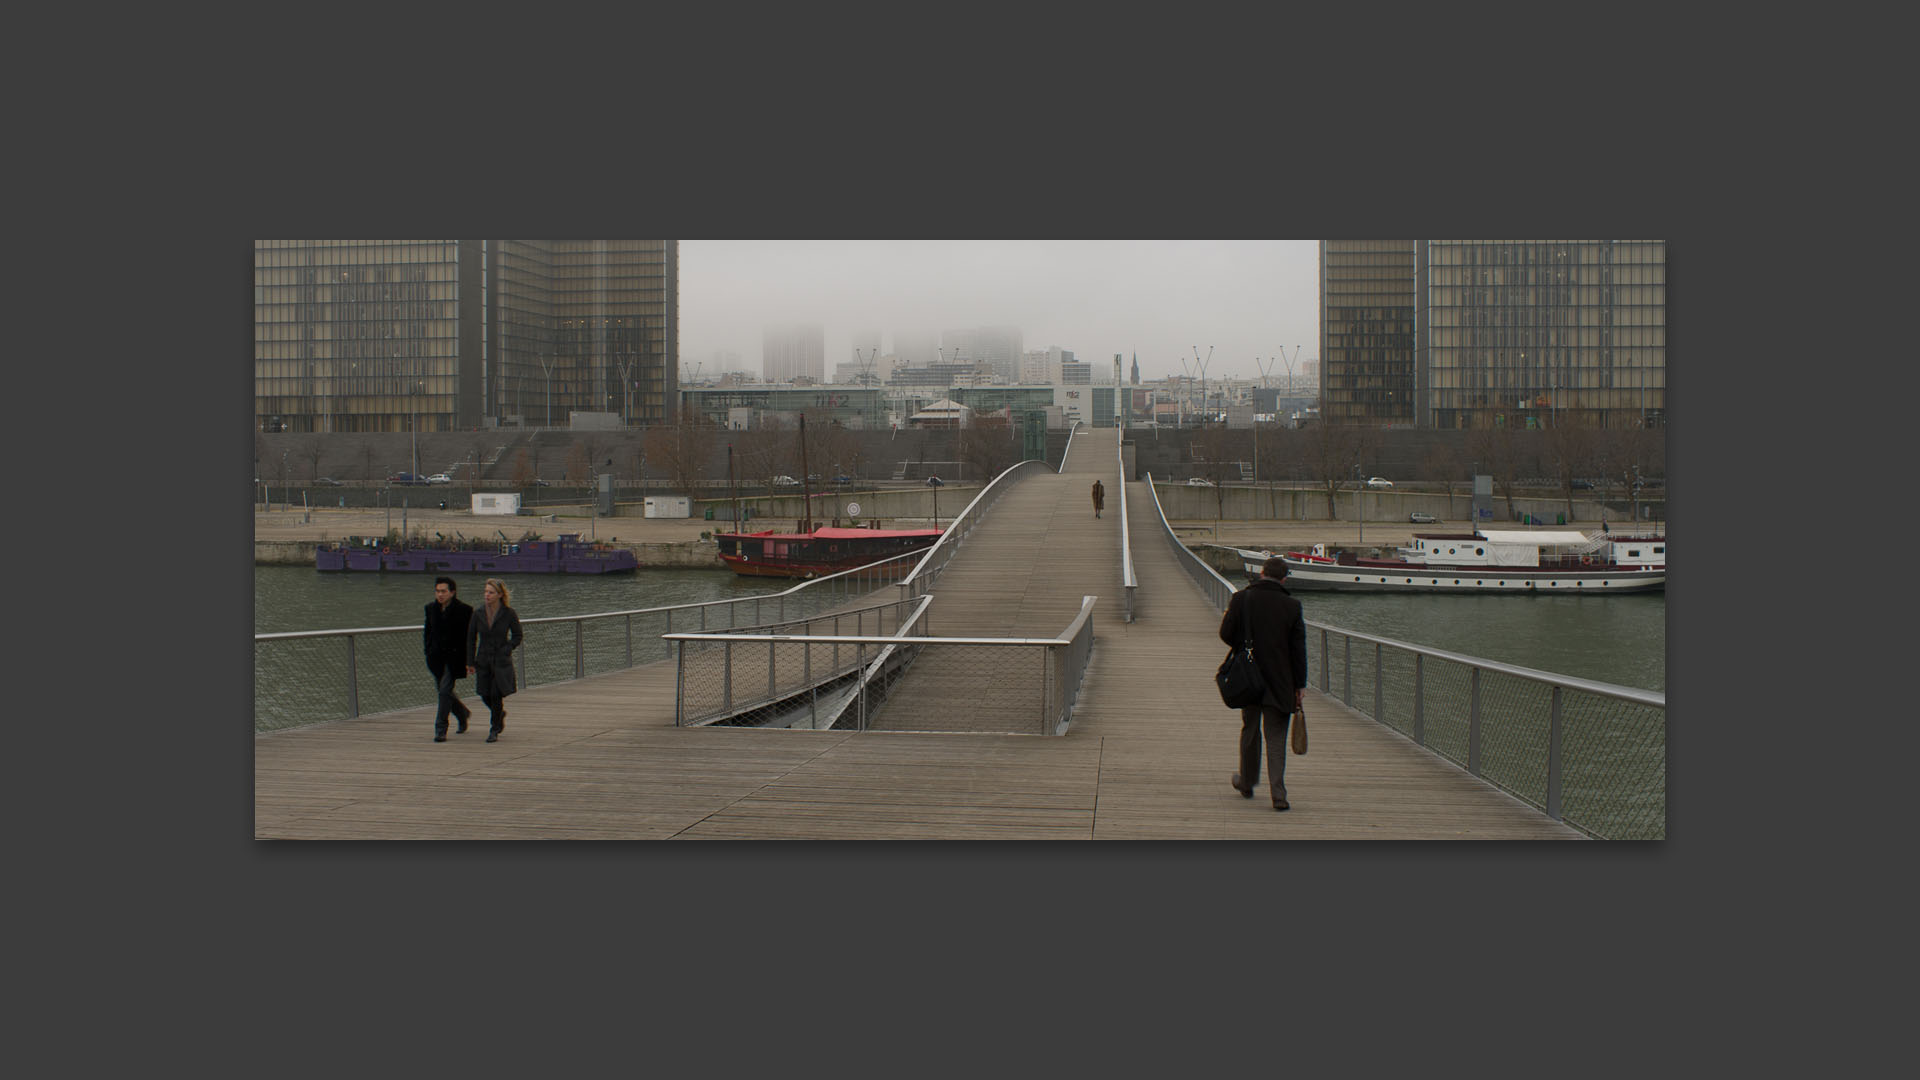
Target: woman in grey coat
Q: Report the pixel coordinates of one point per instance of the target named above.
(492, 634)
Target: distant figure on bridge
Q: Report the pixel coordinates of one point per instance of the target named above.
(444, 636)
(492, 635)
(1099, 498)
(1280, 651)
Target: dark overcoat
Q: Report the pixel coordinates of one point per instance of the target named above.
(490, 651)
(444, 636)
(1279, 636)
(1099, 495)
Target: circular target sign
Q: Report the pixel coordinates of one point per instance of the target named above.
(853, 509)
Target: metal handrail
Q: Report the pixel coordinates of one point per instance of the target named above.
(1128, 583)
(1071, 432)
(981, 501)
(1519, 783)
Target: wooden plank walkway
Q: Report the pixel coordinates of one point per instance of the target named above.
(1147, 757)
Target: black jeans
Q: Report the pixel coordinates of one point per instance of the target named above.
(444, 676)
(1275, 722)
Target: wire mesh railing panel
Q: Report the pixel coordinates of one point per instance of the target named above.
(545, 654)
(1515, 719)
(1396, 681)
(1614, 776)
(972, 688)
(1446, 709)
(303, 681)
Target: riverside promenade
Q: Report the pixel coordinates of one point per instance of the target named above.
(1147, 755)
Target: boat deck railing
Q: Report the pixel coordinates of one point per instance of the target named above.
(1588, 753)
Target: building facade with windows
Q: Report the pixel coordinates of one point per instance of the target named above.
(1460, 334)
(441, 335)
(794, 351)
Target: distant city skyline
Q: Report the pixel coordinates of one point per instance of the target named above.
(1157, 299)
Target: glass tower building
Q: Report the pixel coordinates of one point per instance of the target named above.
(440, 335)
(1458, 334)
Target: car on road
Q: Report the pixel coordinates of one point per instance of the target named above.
(843, 479)
(785, 481)
(328, 481)
(934, 481)
(1199, 481)
(1379, 482)
(537, 482)
(406, 478)
(439, 478)
(1582, 485)
(1420, 517)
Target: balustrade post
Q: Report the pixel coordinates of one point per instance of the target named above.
(726, 675)
(859, 682)
(1326, 661)
(580, 648)
(629, 641)
(1553, 758)
(1419, 699)
(680, 684)
(1346, 693)
(1379, 692)
(1473, 727)
(353, 681)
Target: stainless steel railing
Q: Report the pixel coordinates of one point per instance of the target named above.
(1588, 753)
(851, 681)
(1128, 584)
(312, 676)
(921, 578)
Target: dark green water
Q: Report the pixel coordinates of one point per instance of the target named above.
(1613, 639)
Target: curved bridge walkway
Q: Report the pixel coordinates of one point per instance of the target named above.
(1147, 756)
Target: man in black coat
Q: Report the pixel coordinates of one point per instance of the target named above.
(445, 639)
(1280, 652)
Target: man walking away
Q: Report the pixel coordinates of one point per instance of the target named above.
(1099, 498)
(445, 640)
(1280, 652)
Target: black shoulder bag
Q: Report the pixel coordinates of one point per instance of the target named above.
(1241, 686)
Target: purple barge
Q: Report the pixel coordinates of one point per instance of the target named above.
(567, 555)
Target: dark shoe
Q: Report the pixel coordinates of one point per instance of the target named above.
(1280, 804)
(493, 736)
(440, 738)
(1245, 789)
(462, 729)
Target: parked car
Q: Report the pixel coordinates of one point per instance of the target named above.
(328, 481)
(1199, 481)
(406, 478)
(439, 478)
(1379, 482)
(843, 479)
(785, 481)
(934, 481)
(813, 478)
(1582, 485)
(537, 482)
(1420, 517)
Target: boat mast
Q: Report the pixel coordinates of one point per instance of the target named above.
(806, 493)
(734, 490)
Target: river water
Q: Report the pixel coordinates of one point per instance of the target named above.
(1614, 639)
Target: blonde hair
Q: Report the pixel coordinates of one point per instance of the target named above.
(501, 588)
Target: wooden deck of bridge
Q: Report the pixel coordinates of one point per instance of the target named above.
(1147, 757)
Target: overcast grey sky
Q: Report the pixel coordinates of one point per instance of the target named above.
(1159, 298)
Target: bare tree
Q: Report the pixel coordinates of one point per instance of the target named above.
(680, 448)
(574, 470)
(366, 462)
(1327, 454)
(476, 451)
(522, 468)
(311, 451)
(1443, 463)
(987, 446)
(1500, 451)
(1570, 451)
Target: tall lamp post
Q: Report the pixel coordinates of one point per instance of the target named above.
(1359, 506)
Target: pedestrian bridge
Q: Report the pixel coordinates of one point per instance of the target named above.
(1048, 695)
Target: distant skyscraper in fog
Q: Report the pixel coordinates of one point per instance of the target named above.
(793, 351)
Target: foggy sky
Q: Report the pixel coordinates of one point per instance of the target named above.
(1158, 298)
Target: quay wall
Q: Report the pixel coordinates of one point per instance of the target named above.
(687, 555)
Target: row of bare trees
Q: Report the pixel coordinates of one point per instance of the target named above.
(1333, 458)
